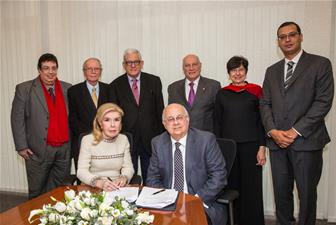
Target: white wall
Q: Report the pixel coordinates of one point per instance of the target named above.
(164, 32)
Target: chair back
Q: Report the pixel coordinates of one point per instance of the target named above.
(228, 148)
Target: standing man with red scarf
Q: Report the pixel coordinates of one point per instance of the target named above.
(40, 127)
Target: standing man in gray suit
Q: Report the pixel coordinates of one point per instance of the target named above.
(40, 127)
(188, 160)
(196, 93)
(297, 95)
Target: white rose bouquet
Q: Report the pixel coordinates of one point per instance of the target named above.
(88, 208)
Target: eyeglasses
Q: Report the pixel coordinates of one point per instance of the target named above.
(47, 69)
(178, 118)
(237, 70)
(291, 35)
(131, 63)
(96, 69)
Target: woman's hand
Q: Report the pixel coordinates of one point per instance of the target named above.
(107, 185)
(261, 156)
(121, 181)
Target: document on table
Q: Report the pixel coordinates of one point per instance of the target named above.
(129, 193)
(156, 198)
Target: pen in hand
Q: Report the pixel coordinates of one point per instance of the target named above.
(159, 191)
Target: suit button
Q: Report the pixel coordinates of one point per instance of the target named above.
(44, 139)
(46, 128)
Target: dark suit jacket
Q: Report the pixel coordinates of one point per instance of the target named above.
(204, 166)
(201, 112)
(143, 121)
(82, 110)
(303, 105)
(30, 117)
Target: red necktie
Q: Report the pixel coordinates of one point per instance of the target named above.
(135, 90)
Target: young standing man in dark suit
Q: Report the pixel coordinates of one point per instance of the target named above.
(297, 95)
(84, 99)
(139, 94)
(39, 120)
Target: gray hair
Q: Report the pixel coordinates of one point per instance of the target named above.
(131, 51)
(92, 58)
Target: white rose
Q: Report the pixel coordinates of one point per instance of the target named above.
(53, 217)
(87, 201)
(60, 207)
(129, 212)
(124, 204)
(78, 205)
(69, 195)
(145, 218)
(85, 213)
(62, 220)
(116, 213)
(82, 222)
(105, 220)
(94, 213)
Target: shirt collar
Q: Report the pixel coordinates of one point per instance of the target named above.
(130, 79)
(182, 141)
(195, 81)
(295, 59)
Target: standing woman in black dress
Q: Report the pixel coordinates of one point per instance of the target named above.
(237, 117)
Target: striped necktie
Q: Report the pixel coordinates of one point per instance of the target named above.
(94, 96)
(289, 73)
(178, 169)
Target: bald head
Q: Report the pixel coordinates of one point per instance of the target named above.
(176, 120)
(191, 67)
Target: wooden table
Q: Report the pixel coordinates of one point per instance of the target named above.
(189, 209)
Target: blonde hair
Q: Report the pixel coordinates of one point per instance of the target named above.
(101, 112)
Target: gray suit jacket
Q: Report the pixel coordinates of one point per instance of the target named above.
(303, 105)
(205, 169)
(30, 117)
(201, 112)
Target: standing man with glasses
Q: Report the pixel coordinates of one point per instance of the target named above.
(196, 93)
(139, 94)
(297, 95)
(84, 99)
(40, 129)
(190, 161)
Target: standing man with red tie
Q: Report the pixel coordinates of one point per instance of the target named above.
(84, 99)
(196, 93)
(139, 94)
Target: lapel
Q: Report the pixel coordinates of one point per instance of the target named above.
(189, 156)
(143, 88)
(280, 76)
(37, 89)
(181, 92)
(127, 88)
(299, 69)
(168, 157)
(200, 91)
(85, 93)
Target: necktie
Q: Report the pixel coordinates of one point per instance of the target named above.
(135, 90)
(51, 93)
(178, 169)
(94, 96)
(191, 96)
(289, 73)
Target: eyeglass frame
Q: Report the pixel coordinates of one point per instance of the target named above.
(290, 35)
(179, 118)
(95, 69)
(132, 63)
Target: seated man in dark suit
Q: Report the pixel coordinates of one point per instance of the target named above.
(188, 160)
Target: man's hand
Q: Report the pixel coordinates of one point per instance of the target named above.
(261, 156)
(26, 153)
(292, 133)
(282, 138)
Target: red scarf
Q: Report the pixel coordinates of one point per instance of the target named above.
(249, 87)
(58, 131)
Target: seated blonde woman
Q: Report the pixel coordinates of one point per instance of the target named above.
(104, 158)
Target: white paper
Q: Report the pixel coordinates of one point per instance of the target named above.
(129, 193)
(148, 199)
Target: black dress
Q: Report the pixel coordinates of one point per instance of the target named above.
(237, 117)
